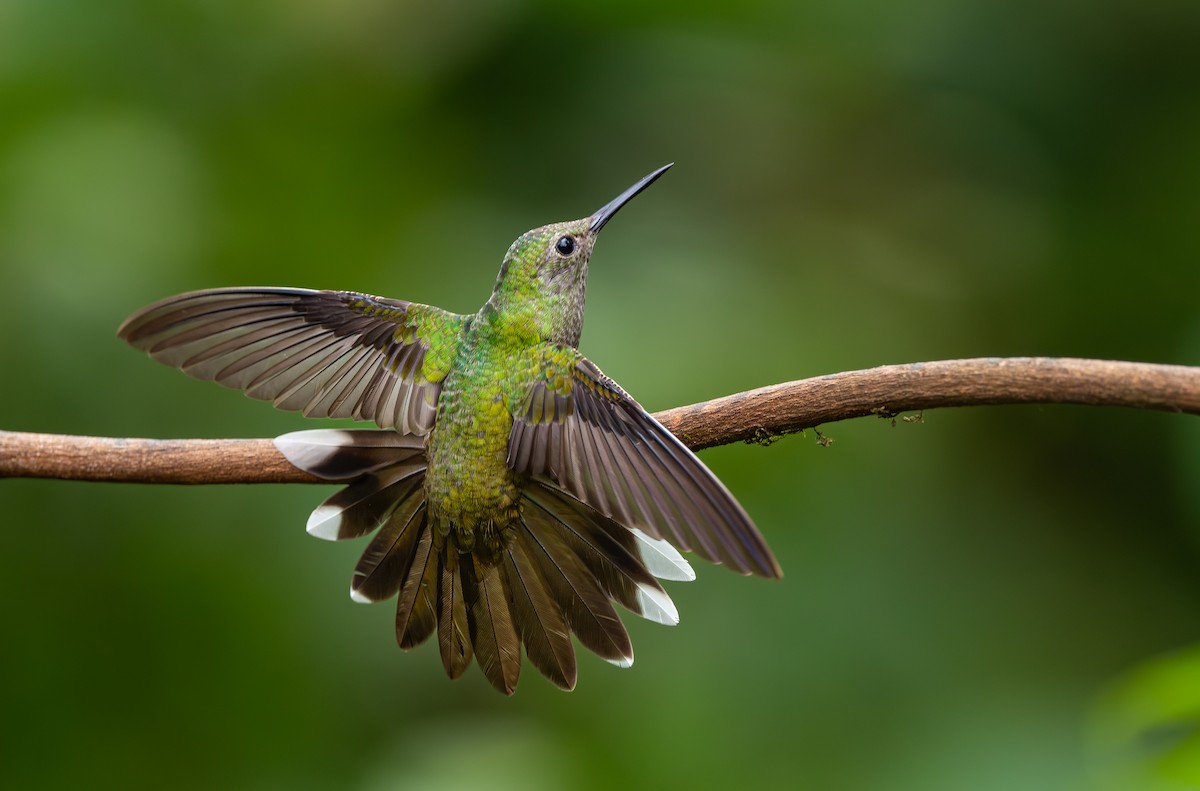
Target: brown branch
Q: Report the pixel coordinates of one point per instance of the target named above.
(749, 416)
(891, 389)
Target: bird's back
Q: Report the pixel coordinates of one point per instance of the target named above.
(470, 488)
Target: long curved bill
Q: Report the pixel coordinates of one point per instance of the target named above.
(605, 213)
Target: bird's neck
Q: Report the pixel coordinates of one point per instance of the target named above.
(528, 317)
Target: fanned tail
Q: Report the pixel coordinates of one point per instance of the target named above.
(558, 571)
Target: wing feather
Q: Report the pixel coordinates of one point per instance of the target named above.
(598, 445)
(326, 353)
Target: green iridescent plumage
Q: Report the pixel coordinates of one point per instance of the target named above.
(520, 493)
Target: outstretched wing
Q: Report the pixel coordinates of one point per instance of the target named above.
(579, 431)
(325, 353)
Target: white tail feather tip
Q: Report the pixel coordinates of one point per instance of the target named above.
(325, 522)
(306, 449)
(657, 606)
(663, 560)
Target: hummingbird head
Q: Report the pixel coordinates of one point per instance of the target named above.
(543, 279)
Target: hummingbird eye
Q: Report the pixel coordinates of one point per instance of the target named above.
(565, 246)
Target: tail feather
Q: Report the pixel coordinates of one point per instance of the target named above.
(384, 565)
(610, 553)
(365, 504)
(661, 559)
(416, 615)
(342, 455)
(560, 570)
(493, 633)
(539, 618)
(454, 633)
(586, 607)
(386, 468)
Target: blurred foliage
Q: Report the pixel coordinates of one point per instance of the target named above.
(1146, 728)
(856, 184)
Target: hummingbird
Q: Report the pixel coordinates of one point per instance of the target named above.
(516, 492)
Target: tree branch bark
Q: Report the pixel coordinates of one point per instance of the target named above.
(753, 416)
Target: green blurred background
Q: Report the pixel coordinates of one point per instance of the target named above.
(999, 598)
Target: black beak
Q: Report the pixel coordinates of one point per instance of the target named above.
(613, 206)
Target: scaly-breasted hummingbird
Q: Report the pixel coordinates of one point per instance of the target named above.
(519, 492)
